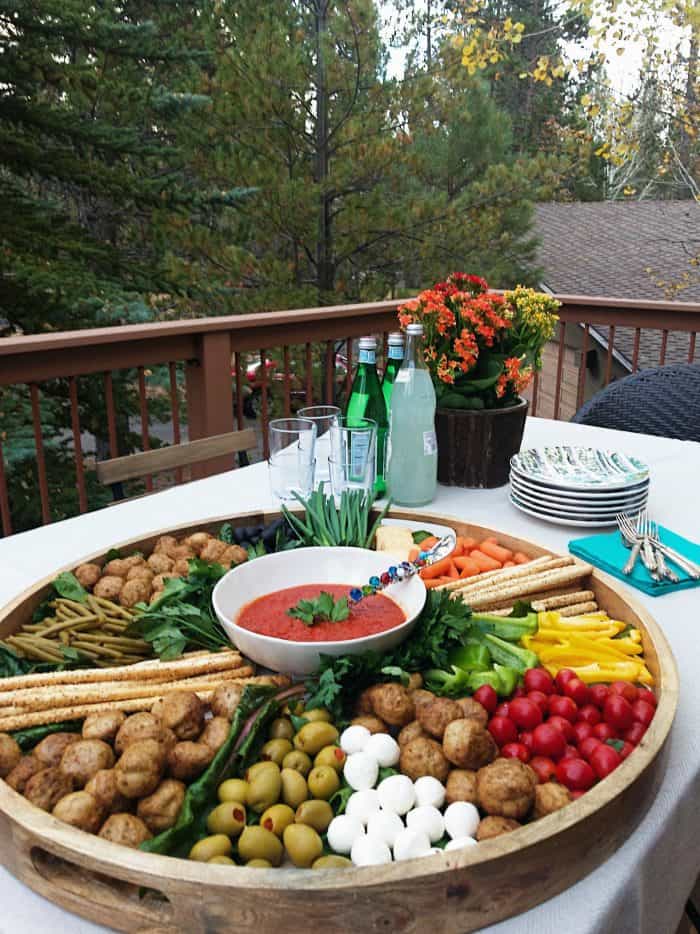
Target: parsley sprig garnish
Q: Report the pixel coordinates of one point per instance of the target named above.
(322, 609)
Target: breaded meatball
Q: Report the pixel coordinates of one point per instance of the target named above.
(506, 788)
(158, 582)
(10, 754)
(50, 750)
(117, 567)
(125, 829)
(88, 575)
(81, 760)
(549, 797)
(104, 726)
(103, 787)
(168, 740)
(109, 587)
(468, 745)
(411, 731)
(421, 696)
(435, 716)
(140, 572)
(81, 810)
(160, 563)
(46, 788)
(135, 561)
(393, 704)
(495, 826)
(160, 810)
(213, 551)
(165, 545)
(415, 681)
(23, 771)
(187, 760)
(461, 786)
(233, 555)
(140, 768)
(473, 710)
(364, 704)
(182, 712)
(225, 700)
(371, 723)
(197, 540)
(135, 591)
(215, 732)
(181, 568)
(137, 727)
(181, 551)
(423, 756)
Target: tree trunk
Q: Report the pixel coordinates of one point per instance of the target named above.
(325, 273)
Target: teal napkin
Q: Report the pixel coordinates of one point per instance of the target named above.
(608, 553)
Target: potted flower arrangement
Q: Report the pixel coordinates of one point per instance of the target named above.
(482, 350)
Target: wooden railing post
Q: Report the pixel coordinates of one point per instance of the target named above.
(210, 397)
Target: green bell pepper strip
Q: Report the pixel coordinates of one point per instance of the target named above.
(474, 656)
(509, 654)
(452, 683)
(508, 678)
(510, 628)
(478, 679)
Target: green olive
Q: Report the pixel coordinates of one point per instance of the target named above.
(259, 864)
(294, 788)
(275, 750)
(281, 728)
(333, 756)
(233, 789)
(312, 737)
(303, 844)
(297, 760)
(260, 767)
(227, 817)
(295, 708)
(264, 790)
(323, 781)
(258, 843)
(317, 814)
(318, 714)
(332, 862)
(223, 860)
(204, 850)
(277, 818)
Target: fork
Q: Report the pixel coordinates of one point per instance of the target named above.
(664, 569)
(636, 535)
(648, 554)
(629, 534)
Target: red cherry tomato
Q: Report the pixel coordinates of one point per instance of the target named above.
(519, 691)
(624, 689)
(566, 674)
(586, 747)
(537, 679)
(525, 738)
(618, 712)
(571, 752)
(516, 751)
(635, 733)
(603, 731)
(525, 713)
(503, 710)
(575, 774)
(503, 730)
(577, 691)
(575, 795)
(563, 707)
(544, 768)
(539, 698)
(589, 713)
(564, 726)
(582, 730)
(604, 760)
(548, 741)
(642, 712)
(598, 693)
(644, 694)
(627, 748)
(487, 697)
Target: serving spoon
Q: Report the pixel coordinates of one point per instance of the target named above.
(403, 571)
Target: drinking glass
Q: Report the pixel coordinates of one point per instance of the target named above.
(353, 458)
(292, 453)
(324, 417)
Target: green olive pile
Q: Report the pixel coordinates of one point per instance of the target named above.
(281, 807)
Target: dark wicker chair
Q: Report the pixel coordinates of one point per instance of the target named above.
(663, 401)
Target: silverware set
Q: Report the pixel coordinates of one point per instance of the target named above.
(641, 535)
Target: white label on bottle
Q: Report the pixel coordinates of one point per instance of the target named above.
(429, 442)
(368, 356)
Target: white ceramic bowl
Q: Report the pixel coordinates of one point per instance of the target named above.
(351, 566)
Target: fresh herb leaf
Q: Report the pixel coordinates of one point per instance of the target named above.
(393, 671)
(28, 739)
(521, 608)
(298, 722)
(226, 533)
(420, 536)
(68, 586)
(112, 555)
(257, 550)
(321, 609)
(339, 799)
(325, 523)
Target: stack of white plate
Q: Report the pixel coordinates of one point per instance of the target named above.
(577, 486)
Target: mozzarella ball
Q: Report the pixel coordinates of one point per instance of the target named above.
(362, 804)
(354, 739)
(428, 819)
(361, 771)
(461, 819)
(396, 794)
(385, 825)
(370, 851)
(429, 791)
(410, 844)
(383, 748)
(459, 843)
(343, 831)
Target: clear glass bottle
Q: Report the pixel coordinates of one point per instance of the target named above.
(367, 401)
(393, 365)
(412, 447)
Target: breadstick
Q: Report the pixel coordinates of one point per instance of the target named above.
(571, 608)
(518, 589)
(546, 562)
(537, 597)
(577, 609)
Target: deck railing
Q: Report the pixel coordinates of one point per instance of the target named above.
(305, 356)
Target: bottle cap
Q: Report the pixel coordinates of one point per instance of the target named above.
(368, 343)
(414, 329)
(396, 337)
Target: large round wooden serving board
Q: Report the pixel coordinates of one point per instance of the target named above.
(458, 892)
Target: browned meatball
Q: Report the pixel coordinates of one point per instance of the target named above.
(411, 731)
(364, 703)
(81, 810)
(135, 591)
(415, 681)
(160, 810)
(10, 754)
(47, 787)
(103, 787)
(187, 760)
(182, 551)
(117, 567)
(168, 740)
(549, 797)
(88, 575)
(165, 545)
(109, 587)
(104, 726)
(140, 572)
(423, 756)
(495, 826)
(158, 582)
(197, 540)
(215, 732)
(137, 727)
(461, 786)
(421, 696)
(125, 829)
(233, 555)
(371, 723)
(473, 710)
(160, 563)
(81, 760)
(182, 712)
(50, 750)
(435, 716)
(506, 788)
(181, 568)
(140, 768)
(134, 561)
(468, 745)
(23, 771)
(393, 704)
(225, 700)
(212, 551)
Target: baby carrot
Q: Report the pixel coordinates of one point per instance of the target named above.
(457, 551)
(436, 582)
(428, 543)
(453, 572)
(520, 558)
(466, 566)
(467, 543)
(495, 551)
(439, 569)
(484, 562)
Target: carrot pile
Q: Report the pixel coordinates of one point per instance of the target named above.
(468, 559)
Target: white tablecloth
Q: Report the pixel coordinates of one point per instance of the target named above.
(643, 887)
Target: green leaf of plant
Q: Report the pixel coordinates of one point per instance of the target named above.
(69, 587)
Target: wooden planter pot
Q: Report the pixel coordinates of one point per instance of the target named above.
(475, 446)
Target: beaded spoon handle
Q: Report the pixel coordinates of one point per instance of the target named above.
(405, 570)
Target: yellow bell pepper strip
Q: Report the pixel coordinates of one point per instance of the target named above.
(616, 671)
(550, 619)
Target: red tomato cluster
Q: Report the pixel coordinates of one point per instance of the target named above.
(565, 730)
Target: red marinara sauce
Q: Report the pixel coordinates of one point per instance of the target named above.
(268, 615)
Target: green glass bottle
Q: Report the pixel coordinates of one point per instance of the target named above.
(393, 365)
(367, 401)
